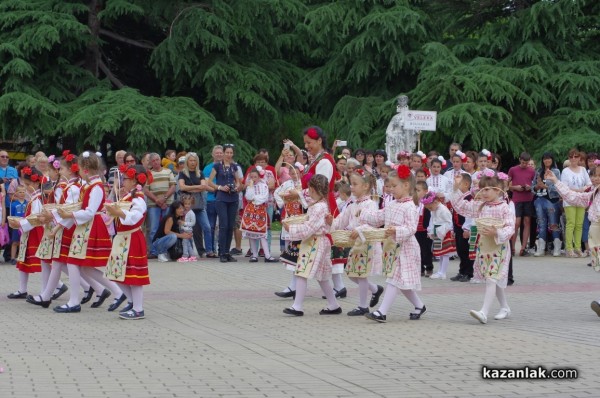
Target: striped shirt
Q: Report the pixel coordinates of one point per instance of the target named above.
(162, 181)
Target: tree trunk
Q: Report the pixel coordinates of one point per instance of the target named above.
(92, 57)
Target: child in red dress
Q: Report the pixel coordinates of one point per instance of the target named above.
(128, 262)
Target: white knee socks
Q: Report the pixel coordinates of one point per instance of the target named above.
(46, 269)
(74, 280)
(254, 247)
(301, 285)
(338, 282)
(363, 290)
(444, 262)
(501, 296)
(53, 280)
(293, 282)
(413, 297)
(332, 303)
(490, 292)
(23, 279)
(266, 247)
(138, 298)
(391, 292)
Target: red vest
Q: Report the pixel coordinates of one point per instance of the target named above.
(312, 171)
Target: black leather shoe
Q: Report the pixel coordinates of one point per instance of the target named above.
(128, 307)
(271, 260)
(105, 294)
(291, 311)
(339, 293)
(376, 316)
(465, 278)
(414, 316)
(66, 309)
(88, 295)
(60, 292)
(45, 304)
(291, 293)
(375, 296)
(230, 259)
(117, 303)
(17, 295)
(456, 278)
(223, 259)
(358, 311)
(327, 311)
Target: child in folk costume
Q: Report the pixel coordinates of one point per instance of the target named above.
(462, 234)
(437, 182)
(591, 201)
(289, 208)
(425, 243)
(314, 260)
(364, 258)
(31, 235)
(187, 227)
(128, 261)
(255, 221)
(495, 226)
(339, 255)
(90, 245)
(440, 230)
(401, 255)
(66, 192)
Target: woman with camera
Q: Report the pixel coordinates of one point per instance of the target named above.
(227, 185)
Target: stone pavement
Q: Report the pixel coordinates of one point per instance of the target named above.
(217, 330)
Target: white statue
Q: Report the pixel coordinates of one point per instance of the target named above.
(398, 138)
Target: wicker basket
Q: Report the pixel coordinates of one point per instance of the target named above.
(295, 219)
(123, 205)
(50, 206)
(374, 235)
(341, 238)
(14, 218)
(71, 207)
(489, 222)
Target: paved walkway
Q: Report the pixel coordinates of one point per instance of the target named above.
(217, 330)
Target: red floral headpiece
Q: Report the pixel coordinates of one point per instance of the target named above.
(427, 172)
(74, 168)
(27, 171)
(141, 178)
(312, 133)
(34, 178)
(360, 171)
(130, 173)
(66, 153)
(403, 172)
(69, 157)
(123, 168)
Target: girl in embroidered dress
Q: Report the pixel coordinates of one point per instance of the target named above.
(31, 235)
(314, 260)
(401, 254)
(90, 245)
(440, 230)
(591, 201)
(493, 247)
(364, 258)
(66, 192)
(437, 182)
(128, 261)
(255, 221)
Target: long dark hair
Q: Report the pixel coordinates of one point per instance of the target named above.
(542, 169)
(321, 135)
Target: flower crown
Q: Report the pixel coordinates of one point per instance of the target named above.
(441, 159)
(503, 176)
(487, 153)
(462, 156)
(423, 156)
(403, 154)
(429, 198)
(260, 170)
(312, 133)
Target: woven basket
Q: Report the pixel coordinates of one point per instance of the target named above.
(123, 205)
(50, 206)
(341, 238)
(374, 235)
(71, 207)
(14, 218)
(489, 222)
(295, 219)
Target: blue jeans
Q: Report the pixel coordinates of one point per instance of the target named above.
(227, 212)
(161, 245)
(586, 228)
(211, 212)
(202, 222)
(188, 247)
(547, 213)
(153, 217)
(270, 211)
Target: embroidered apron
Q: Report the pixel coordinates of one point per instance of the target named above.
(116, 266)
(490, 253)
(46, 247)
(306, 256)
(391, 250)
(360, 260)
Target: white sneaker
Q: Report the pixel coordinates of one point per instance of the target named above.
(473, 280)
(163, 258)
(438, 275)
(480, 316)
(503, 314)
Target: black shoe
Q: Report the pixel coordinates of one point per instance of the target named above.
(235, 252)
(327, 311)
(291, 311)
(510, 282)
(88, 295)
(414, 316)
(253, 259)
(44, 304)
(223, 259)
(291, 293)
(66, 309)
(339, 293)
(105, 294)
(375, 296)
(465, 278)
(358, 311)
(456, 278)
(271, 260)
(230, 259)
(60, 292)
(376, 316)
(128, 307)
(17, 295)
(117, 303)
